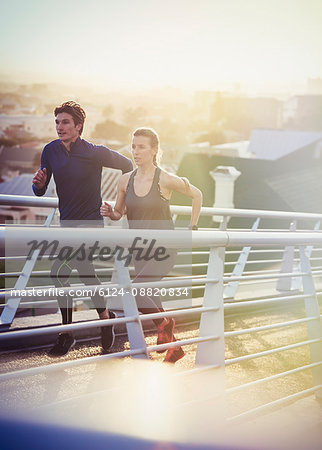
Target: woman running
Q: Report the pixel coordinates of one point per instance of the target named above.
(144, 195)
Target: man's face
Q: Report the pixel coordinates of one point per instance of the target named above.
(66, 129)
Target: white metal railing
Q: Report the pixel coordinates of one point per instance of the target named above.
(215, 285)
(52, 202)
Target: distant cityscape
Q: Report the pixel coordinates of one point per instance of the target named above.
(215, 123)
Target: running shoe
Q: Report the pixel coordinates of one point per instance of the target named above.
(63, 344)
(108, 334)
(174, 354)
(165, 333)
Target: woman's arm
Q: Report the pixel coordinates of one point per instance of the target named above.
(119, 209)
(183, 186)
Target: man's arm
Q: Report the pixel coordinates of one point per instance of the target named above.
(114, 160)
(42, 176)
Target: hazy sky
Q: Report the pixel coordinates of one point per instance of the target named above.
(265, 45)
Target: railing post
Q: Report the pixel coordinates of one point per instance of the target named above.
(285, 284)
(212, 353)
(134, 329)
(314, 327)
(9, 311)
(231, 288)
(297, 282)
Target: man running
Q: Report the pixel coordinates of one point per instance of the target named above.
(76, 166)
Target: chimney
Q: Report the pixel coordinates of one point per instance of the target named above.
(224, 177)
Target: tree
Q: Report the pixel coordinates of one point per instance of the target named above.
(108, 111)
(111, 130)
(135, 117)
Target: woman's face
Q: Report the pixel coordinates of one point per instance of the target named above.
(142, 151)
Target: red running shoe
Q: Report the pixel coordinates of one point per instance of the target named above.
(174, 354)
(165, 333)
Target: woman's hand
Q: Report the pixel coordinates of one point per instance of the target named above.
(107, 211)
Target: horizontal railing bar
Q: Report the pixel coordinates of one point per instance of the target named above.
(273, 230)
(254, 261)
(270, 352)
(192, 253)
(265, 277)
(266, 250)
(44, 273)
(269, 327)
(241, 303)
(52, 202)
(22, 225)
(10, 274)
(175, 313)
(254, 239)
(316, 270)
(277, 275)
(101, 323)
(228, 252)
(13, 258)
(298, 295)
(44, 303)
(68, 364)
(178, 343)
(275, 403)
(244, 283)
(4, 258)
(167, 238)
(263, 271)
(272, 377)
(187, 266)
(64, 328)
(197, 369)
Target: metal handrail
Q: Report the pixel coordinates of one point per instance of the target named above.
(210, 344)
(52, 202)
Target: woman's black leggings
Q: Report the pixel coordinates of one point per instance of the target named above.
(148, 271)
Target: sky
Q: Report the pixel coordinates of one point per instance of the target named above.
(261, 45)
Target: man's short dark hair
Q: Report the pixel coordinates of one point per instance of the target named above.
(75, 110)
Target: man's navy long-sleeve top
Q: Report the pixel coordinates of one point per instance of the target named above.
(77, 174)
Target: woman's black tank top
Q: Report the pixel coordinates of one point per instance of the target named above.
(151, 211)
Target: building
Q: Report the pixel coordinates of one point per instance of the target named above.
(21, 158)
(303, 112)
(243, 114)
(284, 173)
(22, 185)
(41, 126)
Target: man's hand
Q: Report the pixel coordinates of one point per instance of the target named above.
(40, 178)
